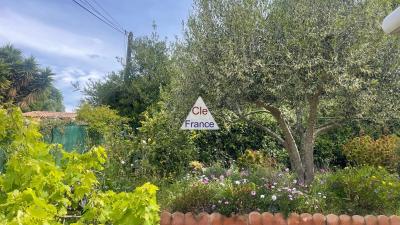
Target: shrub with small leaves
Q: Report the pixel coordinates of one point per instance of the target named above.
(380, 152)
(251, 158)
(365, 190)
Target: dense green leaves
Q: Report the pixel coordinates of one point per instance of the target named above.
(312, 65)
(24, 83)
(282, 51)
(35, 189)
(132, 90)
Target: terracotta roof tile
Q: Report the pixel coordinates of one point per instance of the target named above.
(51, 115)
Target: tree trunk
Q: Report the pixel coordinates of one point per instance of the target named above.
(289, 144)
(303, 165)
(309, 139)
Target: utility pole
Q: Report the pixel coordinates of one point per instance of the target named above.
(128, 65)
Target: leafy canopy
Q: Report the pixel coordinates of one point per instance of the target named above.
(24, 83)
(35, 189)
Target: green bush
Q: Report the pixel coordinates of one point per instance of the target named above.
(234, 191)
(366, 190)
(107, 128)
(234, 137)
(163, 150)
(380, 152)
(35, 189)
(252, 158)
(328, 147)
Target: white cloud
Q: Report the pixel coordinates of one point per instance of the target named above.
(26, 31)
(74, 74)
(74, 57)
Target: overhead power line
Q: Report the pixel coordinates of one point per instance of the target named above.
(109, 19)
(100, 17)
(108, 14)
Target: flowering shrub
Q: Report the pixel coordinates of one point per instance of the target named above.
(366, 190)
(236, 191)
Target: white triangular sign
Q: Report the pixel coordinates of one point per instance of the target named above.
(199, 118)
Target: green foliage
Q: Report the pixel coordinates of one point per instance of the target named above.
(100, 119)
(36, 190)
(13, 130)
(352, 191)
(233, 138)
(361, 191)
(249, 51)
(252, 158)
(328, 147)
(50, 100)
(131, 91)
(365, 150)
(163, 149)
(112, 131)
(24, 83)
(296, 60)
(139, 207)
(232, 191)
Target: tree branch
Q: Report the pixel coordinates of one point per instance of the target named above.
(266, 129)
(327, 127)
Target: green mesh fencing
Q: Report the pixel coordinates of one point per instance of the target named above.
(71, 136)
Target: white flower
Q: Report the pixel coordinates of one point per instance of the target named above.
(143, 142)
(237, 182)
(287, 169)
(262, 196)
(272, 186)
(273, 197)
(294, 181)
(319, 193)
(324, 196)
(132, 164)
(122, 161)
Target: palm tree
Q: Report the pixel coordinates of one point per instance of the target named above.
(23, 82)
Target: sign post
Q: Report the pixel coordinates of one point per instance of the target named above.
(199, 118)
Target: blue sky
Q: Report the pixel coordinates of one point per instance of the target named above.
(76, 45)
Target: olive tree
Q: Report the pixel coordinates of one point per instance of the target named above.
(310, 64)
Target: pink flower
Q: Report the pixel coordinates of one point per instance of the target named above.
(253, 193)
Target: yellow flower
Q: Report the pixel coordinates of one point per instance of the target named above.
(196, 165)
